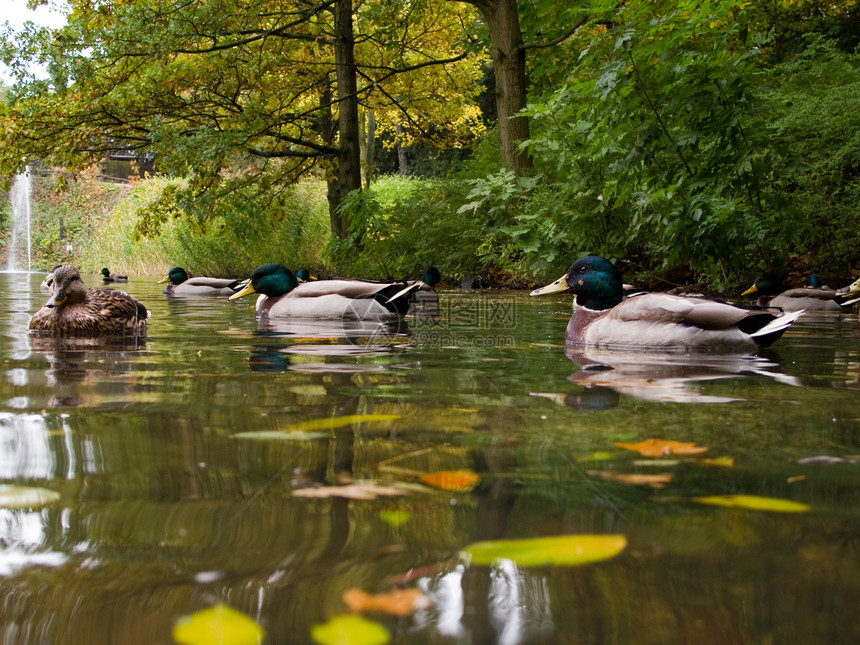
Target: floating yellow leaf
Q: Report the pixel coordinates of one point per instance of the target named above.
(26, 497)
(594, 456)
(724, 462)
(350, 630)
(350, 491)
(754, 502)
(536, 552)
(459, 480)
(400, 602)
(662, 448)
(654, 480)
(395, 518)
(339, 422)
(219, 624)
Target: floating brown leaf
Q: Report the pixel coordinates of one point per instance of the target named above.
(350, 491)
(458, 480)
(400, 602)
(662, 447)
(655, 480)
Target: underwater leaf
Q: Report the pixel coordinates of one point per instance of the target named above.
(536, 552)
(219, 624)
(821, 459)
(594, 456)
(400, 602)
(654, 480)
(457, 480)
(395, 518)
(277, 435)
(351, 629)
(367, 490)
(662, 447)
(328, 423)
(723, 462)
(754, 502)
(26, 497)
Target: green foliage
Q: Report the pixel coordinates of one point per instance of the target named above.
(292, 228)
(816, 106)
(401, 225)
(656, 150)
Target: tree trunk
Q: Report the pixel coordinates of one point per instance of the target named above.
(349, 157)
(509, 61)
(402, 161)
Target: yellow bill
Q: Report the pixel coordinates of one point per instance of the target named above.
(554, 287)
(247, 290)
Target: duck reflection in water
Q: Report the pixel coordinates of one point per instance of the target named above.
(76, 365)
(329, 341)
(659, 376)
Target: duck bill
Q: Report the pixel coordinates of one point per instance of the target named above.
(164, 280)
(853, 288)
(753, 289)
(554, 287)
(56, 300)
(247, 290)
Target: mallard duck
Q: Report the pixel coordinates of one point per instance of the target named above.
(303, 275)
(75, 310)
(812, 297)
(602, 317)
(182, 285)
(281, 295)
(108, 277)
(47, 284)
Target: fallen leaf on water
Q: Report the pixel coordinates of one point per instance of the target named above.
(755, 503)
(656, 463)
(458, 480)
(351, 629)
(395, 518)
(536, 552)
(339, 422)
(350, 491)
(822, 459)
(795, 479)
(662, 447)
(594, 456)
(219, 624)
(278, 435)
(654, 480)
(26, 497)
(400, 602)
(724, 462)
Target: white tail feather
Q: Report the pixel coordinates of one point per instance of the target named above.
(778, 324)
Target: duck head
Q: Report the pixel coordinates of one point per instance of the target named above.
(593, 279)
(269, 279)
(177, 275)
(69, 288)
(767, 285)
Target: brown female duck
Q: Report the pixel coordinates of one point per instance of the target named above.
(75, 310)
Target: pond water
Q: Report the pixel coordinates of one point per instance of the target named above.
(179, 459)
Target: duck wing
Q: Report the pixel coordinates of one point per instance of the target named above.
(664, 320)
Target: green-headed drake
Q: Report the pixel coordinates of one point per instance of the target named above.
(182, 285)
(602, 317)
(812, 297)
(303, 275)
(75, 310)
(281, 295)
(108, 277)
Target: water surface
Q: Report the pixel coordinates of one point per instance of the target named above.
(176, 484)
